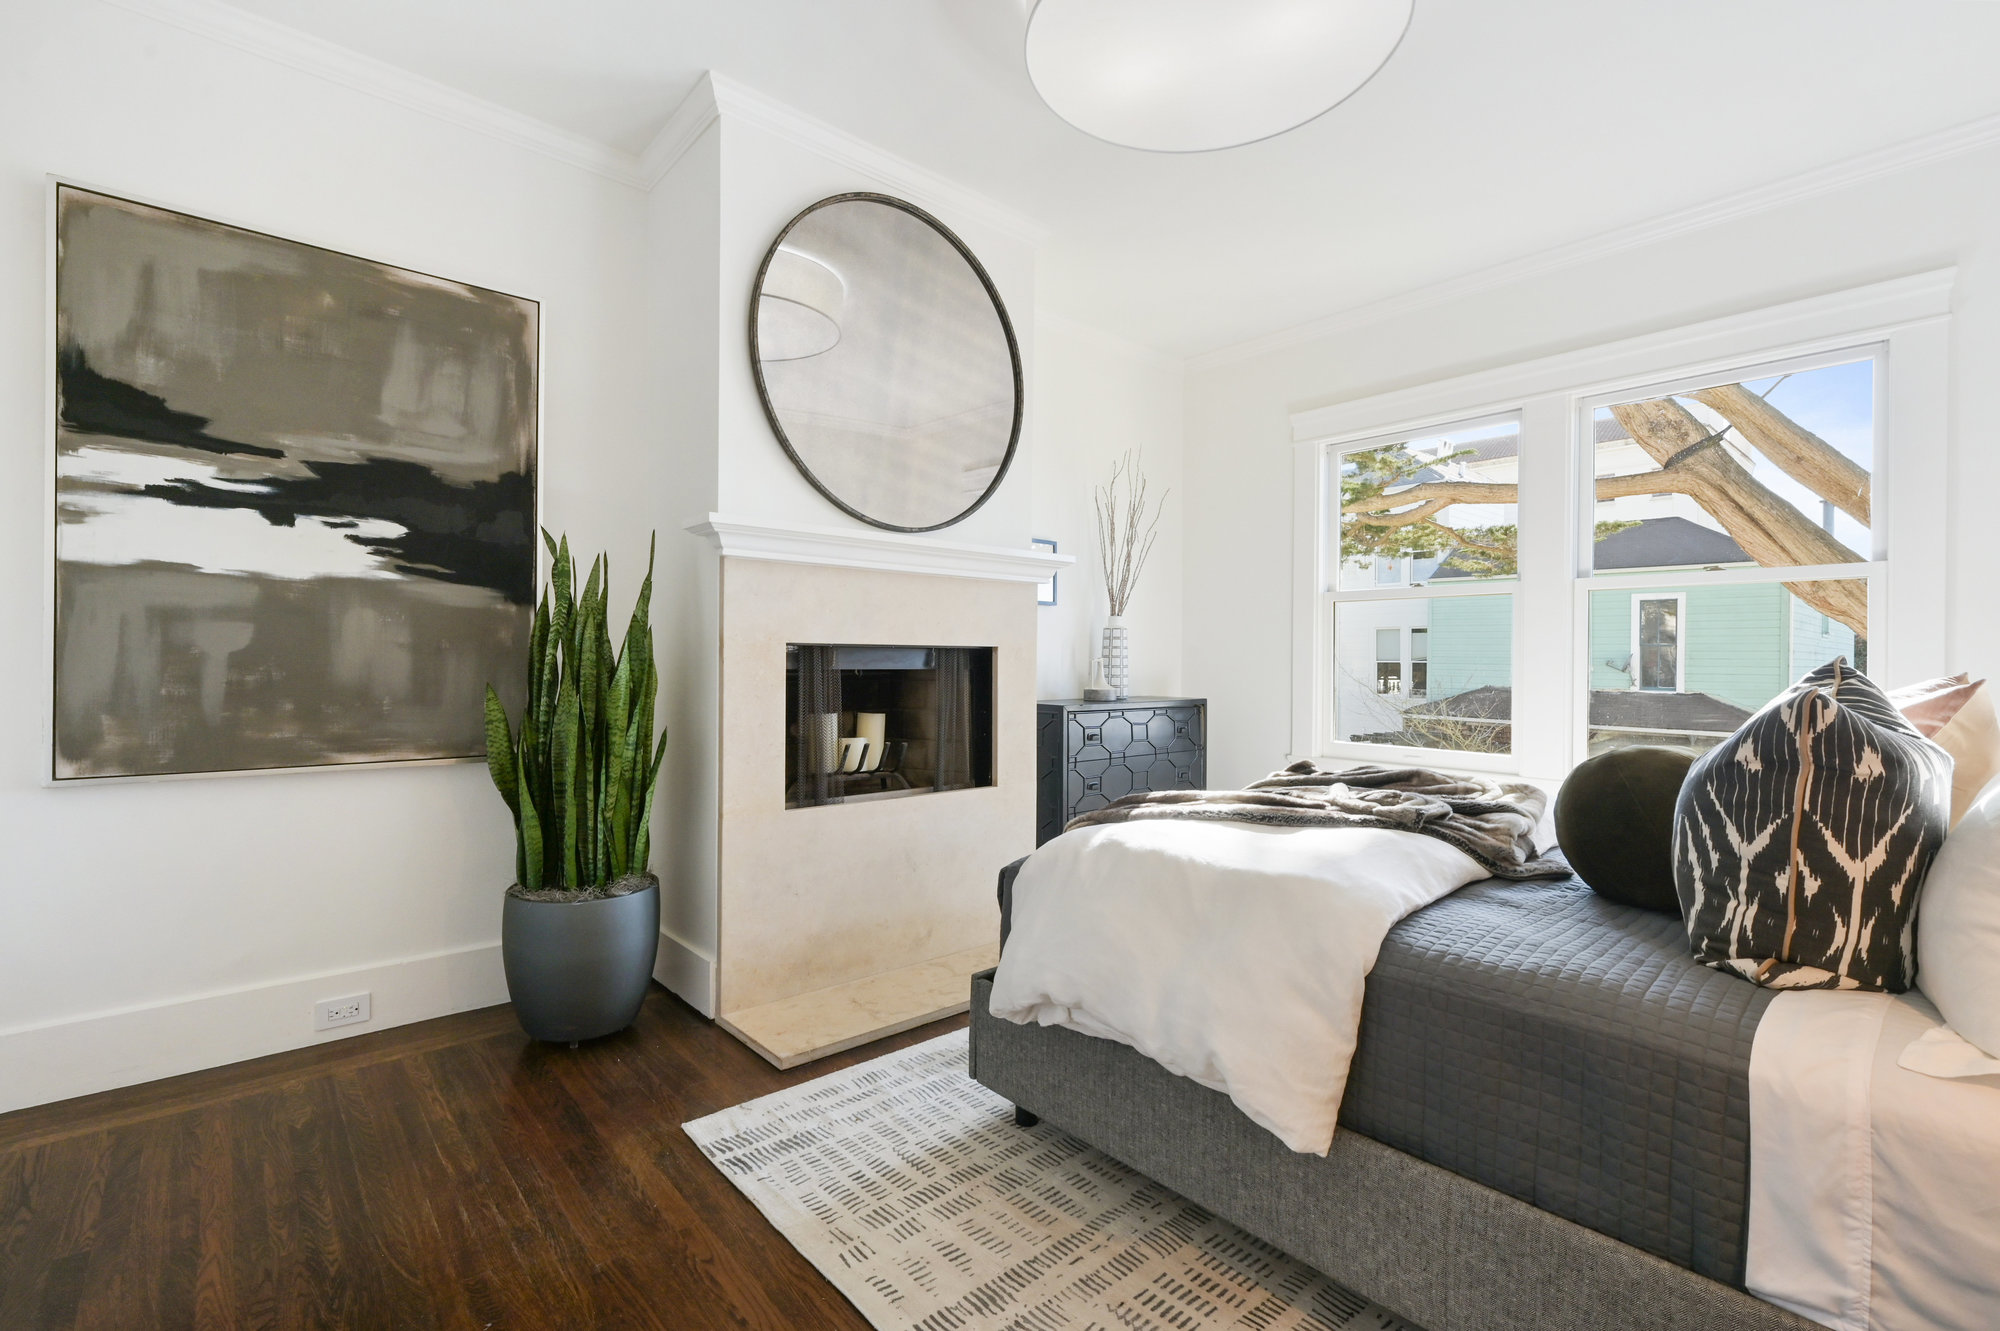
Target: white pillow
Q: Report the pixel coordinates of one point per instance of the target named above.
(1958, 926)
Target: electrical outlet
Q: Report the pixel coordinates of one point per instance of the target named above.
(331, 1012)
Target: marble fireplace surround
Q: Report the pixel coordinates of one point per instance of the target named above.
(842, 923)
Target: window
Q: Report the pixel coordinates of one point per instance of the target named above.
(1388, 660)
(1656, 643)
(1666, 532)
(1714, 494)
(1421, 610)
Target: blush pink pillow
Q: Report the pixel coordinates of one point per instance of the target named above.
(1957, 712)
(1929, 705)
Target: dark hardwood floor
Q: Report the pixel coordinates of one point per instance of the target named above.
(453, 1173)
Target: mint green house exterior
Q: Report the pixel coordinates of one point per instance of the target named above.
(1742, 645)
(1471, 643)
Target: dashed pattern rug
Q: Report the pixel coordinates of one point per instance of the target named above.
(909, 1186)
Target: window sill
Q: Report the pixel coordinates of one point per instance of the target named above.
(1398, 755)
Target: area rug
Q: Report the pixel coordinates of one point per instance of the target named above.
(910, 1187)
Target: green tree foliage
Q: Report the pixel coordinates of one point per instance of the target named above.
(1480, 551)
(580, 771)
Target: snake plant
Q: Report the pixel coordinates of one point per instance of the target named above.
(580, 770)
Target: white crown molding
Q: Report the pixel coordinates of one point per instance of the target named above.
(1953, 142)
(684, 125)
(337, 64)
(719, 96)
(884, 551)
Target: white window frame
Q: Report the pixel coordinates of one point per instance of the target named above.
(1680, 601)
(1907, 323)
(1325, 548)
(1652, 582)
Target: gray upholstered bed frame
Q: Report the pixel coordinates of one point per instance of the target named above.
(1440, 1250)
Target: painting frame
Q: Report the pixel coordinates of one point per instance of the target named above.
(1045, 592)
(50, 776)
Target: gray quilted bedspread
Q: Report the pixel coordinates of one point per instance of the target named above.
(1567, 1051)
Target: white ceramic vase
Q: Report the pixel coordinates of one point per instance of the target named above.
(1117, 654)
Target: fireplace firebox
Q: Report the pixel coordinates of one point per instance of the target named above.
(868, 722)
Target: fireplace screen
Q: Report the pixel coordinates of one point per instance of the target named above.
(872, 722)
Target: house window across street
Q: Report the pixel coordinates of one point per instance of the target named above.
(1656, 628)
(1388, 660)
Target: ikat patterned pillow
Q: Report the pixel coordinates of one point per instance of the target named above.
(1801, 842)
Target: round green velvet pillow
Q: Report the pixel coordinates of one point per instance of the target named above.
(1615, 823)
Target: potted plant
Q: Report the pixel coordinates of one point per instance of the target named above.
(581, 923)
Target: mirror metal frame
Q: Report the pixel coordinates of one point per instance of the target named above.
(999, 308)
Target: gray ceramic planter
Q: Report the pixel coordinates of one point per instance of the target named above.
(578, 969)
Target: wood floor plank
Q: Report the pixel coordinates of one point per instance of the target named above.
(124, 1265)
(213, 1186)
(405, 1189)
(479, 1213)
(452, 1174)
(263, 1249)
(710, 1260)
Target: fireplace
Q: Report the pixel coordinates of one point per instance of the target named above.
(837, 922)
(875, 722)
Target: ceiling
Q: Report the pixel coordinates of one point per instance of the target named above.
(1496, 131)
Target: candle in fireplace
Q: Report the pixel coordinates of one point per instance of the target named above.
(871, 727)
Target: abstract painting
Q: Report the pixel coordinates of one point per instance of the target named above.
(294, 500)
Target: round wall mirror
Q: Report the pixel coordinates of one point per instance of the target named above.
(886, 362)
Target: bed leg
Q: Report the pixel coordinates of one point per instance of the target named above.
(1024, 1119)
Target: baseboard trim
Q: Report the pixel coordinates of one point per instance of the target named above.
(688, 971)
(123, 1047)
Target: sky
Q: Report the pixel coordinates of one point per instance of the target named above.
(1835, 402)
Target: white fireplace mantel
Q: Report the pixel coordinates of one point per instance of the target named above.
(889, 551)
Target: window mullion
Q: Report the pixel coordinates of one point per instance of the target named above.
(1543, 618)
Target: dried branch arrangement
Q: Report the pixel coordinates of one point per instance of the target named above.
(1124, 532)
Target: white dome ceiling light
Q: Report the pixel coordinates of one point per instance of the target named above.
(798, 307)
(1195, 75)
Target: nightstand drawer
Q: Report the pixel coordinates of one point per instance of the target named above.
(1089, 754)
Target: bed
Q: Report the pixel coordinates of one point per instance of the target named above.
(1546, 1122)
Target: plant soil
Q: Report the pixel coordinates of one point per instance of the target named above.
(618, 887)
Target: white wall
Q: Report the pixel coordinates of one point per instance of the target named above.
(685, 313)
(154, 927)
(1238, 452)
(1094, 397)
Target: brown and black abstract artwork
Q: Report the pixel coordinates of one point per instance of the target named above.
(295, 500)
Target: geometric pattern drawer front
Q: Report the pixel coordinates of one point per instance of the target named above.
(1134, 732)
(1105, 752)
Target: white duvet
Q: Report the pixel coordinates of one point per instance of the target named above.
(1232, 954)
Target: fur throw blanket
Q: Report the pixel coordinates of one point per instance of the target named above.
(1492, 821)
